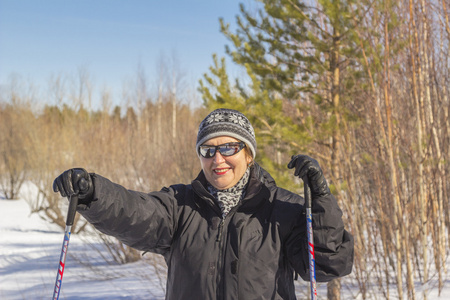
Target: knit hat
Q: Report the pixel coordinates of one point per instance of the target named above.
(226, 122)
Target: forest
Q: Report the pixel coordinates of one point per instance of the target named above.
(362, 86)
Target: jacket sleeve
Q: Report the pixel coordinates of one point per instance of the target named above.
(333, 245)
(143, 221)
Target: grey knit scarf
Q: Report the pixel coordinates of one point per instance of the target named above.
(229, 198)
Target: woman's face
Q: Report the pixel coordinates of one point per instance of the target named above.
(224, 172)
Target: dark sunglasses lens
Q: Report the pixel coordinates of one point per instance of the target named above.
(228, 150)
(207, 152)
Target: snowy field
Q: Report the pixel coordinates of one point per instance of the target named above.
(29, 256)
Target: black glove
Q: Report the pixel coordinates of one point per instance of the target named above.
(307, 166)
(75, 182)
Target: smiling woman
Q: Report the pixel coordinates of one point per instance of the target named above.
(232, 233)
(221, 171)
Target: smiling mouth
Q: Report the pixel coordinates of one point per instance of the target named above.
(221, 171)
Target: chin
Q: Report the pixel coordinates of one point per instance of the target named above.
(222, 185)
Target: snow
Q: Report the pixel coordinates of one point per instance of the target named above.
(30, 248)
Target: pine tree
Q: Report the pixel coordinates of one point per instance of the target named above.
(303, 61)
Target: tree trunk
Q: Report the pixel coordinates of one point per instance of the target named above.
(392, 168)
(334, 286)
(420, 157)
(436, 150)
(174, 105)
(159, 107)
(334, 289)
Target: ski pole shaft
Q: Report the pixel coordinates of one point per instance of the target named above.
(73, 201)
(312, 267)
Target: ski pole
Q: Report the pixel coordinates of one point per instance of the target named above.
(73, 201)
(312, 267)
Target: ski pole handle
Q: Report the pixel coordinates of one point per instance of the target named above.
(73, 202)
(311, 256)
(307, 192)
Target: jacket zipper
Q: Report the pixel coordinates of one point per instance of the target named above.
(222, 222)
(219, 234)
(220, 270)
(220, 260)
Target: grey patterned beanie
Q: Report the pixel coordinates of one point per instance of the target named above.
(226, 122)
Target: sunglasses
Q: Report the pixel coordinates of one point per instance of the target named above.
(227, 149)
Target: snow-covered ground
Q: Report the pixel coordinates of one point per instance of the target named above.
(29, 256)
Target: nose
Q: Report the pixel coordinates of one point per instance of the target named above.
(218, 158)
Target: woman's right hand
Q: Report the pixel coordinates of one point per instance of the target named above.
(75, 181)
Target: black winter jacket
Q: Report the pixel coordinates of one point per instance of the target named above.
(251, 254)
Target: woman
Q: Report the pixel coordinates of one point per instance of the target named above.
(231, 233)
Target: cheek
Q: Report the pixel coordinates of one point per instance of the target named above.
(241, 164)
(203, 163)
(206, 165)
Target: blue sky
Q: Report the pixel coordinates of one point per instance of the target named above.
(109, 38)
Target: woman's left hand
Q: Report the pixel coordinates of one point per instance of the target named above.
(307, 166)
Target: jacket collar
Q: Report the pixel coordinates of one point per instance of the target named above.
(258, 189)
